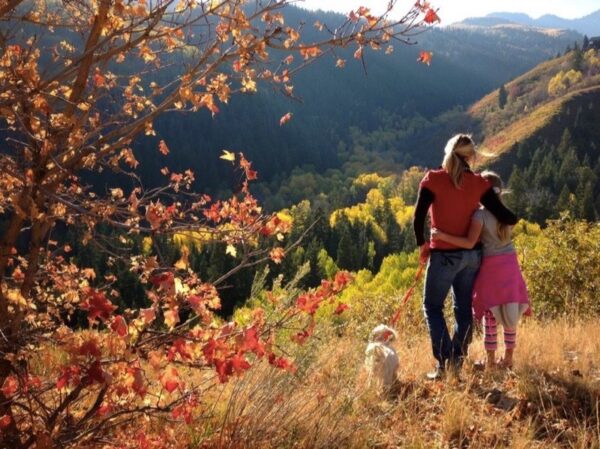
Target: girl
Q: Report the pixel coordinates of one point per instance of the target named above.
(450, 196)
(499, 292)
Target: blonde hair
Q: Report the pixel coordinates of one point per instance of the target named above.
(459, 148)
(503, 230)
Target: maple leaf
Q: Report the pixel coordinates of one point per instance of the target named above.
(277, 254)
(358, 53)
(148, 315)
(137, 384)
(281, 363)
(68, 375)
(163, 148)
(224, 369)
(169, 379)
(10, 386)
(308, 303)
(99, 80)
(89, 348)
(119, 325)
(239, 363)
(341, 308)
(228, 156)
(425, 57)
(231, 250)
(97, 305)
(5, 421)
(431, 16)
(94, 373)
(172, 317)
(250, 341)
(179, 347)
(286, 118)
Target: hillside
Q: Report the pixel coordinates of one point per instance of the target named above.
(466, 64)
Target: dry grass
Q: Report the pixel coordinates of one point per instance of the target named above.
(551, 400)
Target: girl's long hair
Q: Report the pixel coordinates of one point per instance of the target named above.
(503, 230)
(458, 149)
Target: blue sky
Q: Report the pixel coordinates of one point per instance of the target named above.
(455, 10)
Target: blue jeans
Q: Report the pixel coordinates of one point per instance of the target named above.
(454, 270)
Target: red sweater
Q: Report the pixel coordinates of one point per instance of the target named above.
(453, 208)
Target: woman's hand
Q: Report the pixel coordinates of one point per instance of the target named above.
(436, 233)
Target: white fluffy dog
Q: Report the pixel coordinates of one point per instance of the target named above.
(381, 359)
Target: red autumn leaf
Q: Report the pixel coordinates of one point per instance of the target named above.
(97, 305)
(164, 281)
(286, 118)
(69, 375)
(277, 254)
(281, 363)
(341, 308)
(99, 80)
(148, 315)
(5, 421)
(239, 363)
(179, 347)
(89, 348)
(308, 303)
(10, 387)
(250, 342)
(170, 379)
(342, 278)
(104, 409)
(163, 148)
(185, 409)
(224, 369)
(138, 384)
(425, 57)
(431, 16)
(94, 374)
(301, 337)
(119, 325)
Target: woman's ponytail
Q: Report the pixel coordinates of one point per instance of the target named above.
(458, 149)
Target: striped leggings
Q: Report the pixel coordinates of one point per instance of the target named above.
(490, 340)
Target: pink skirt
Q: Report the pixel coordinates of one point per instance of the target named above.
(498, 282)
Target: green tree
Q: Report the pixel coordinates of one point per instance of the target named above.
(502, 97)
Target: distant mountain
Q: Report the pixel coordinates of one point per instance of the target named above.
(589, 25)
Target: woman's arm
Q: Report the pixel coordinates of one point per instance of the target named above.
(492, 203)
(467, 242)
(424, 200)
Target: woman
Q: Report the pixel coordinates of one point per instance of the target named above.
(452, 194)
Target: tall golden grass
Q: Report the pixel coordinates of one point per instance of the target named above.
(550, 400)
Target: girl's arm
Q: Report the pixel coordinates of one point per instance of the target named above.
(467, 242)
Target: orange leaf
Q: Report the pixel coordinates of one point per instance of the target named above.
(5, 421)
(277, 254)
(119, 325)
(163, 148)
(431, 16)
(425, 57)
(286, 118)
(170, 379)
